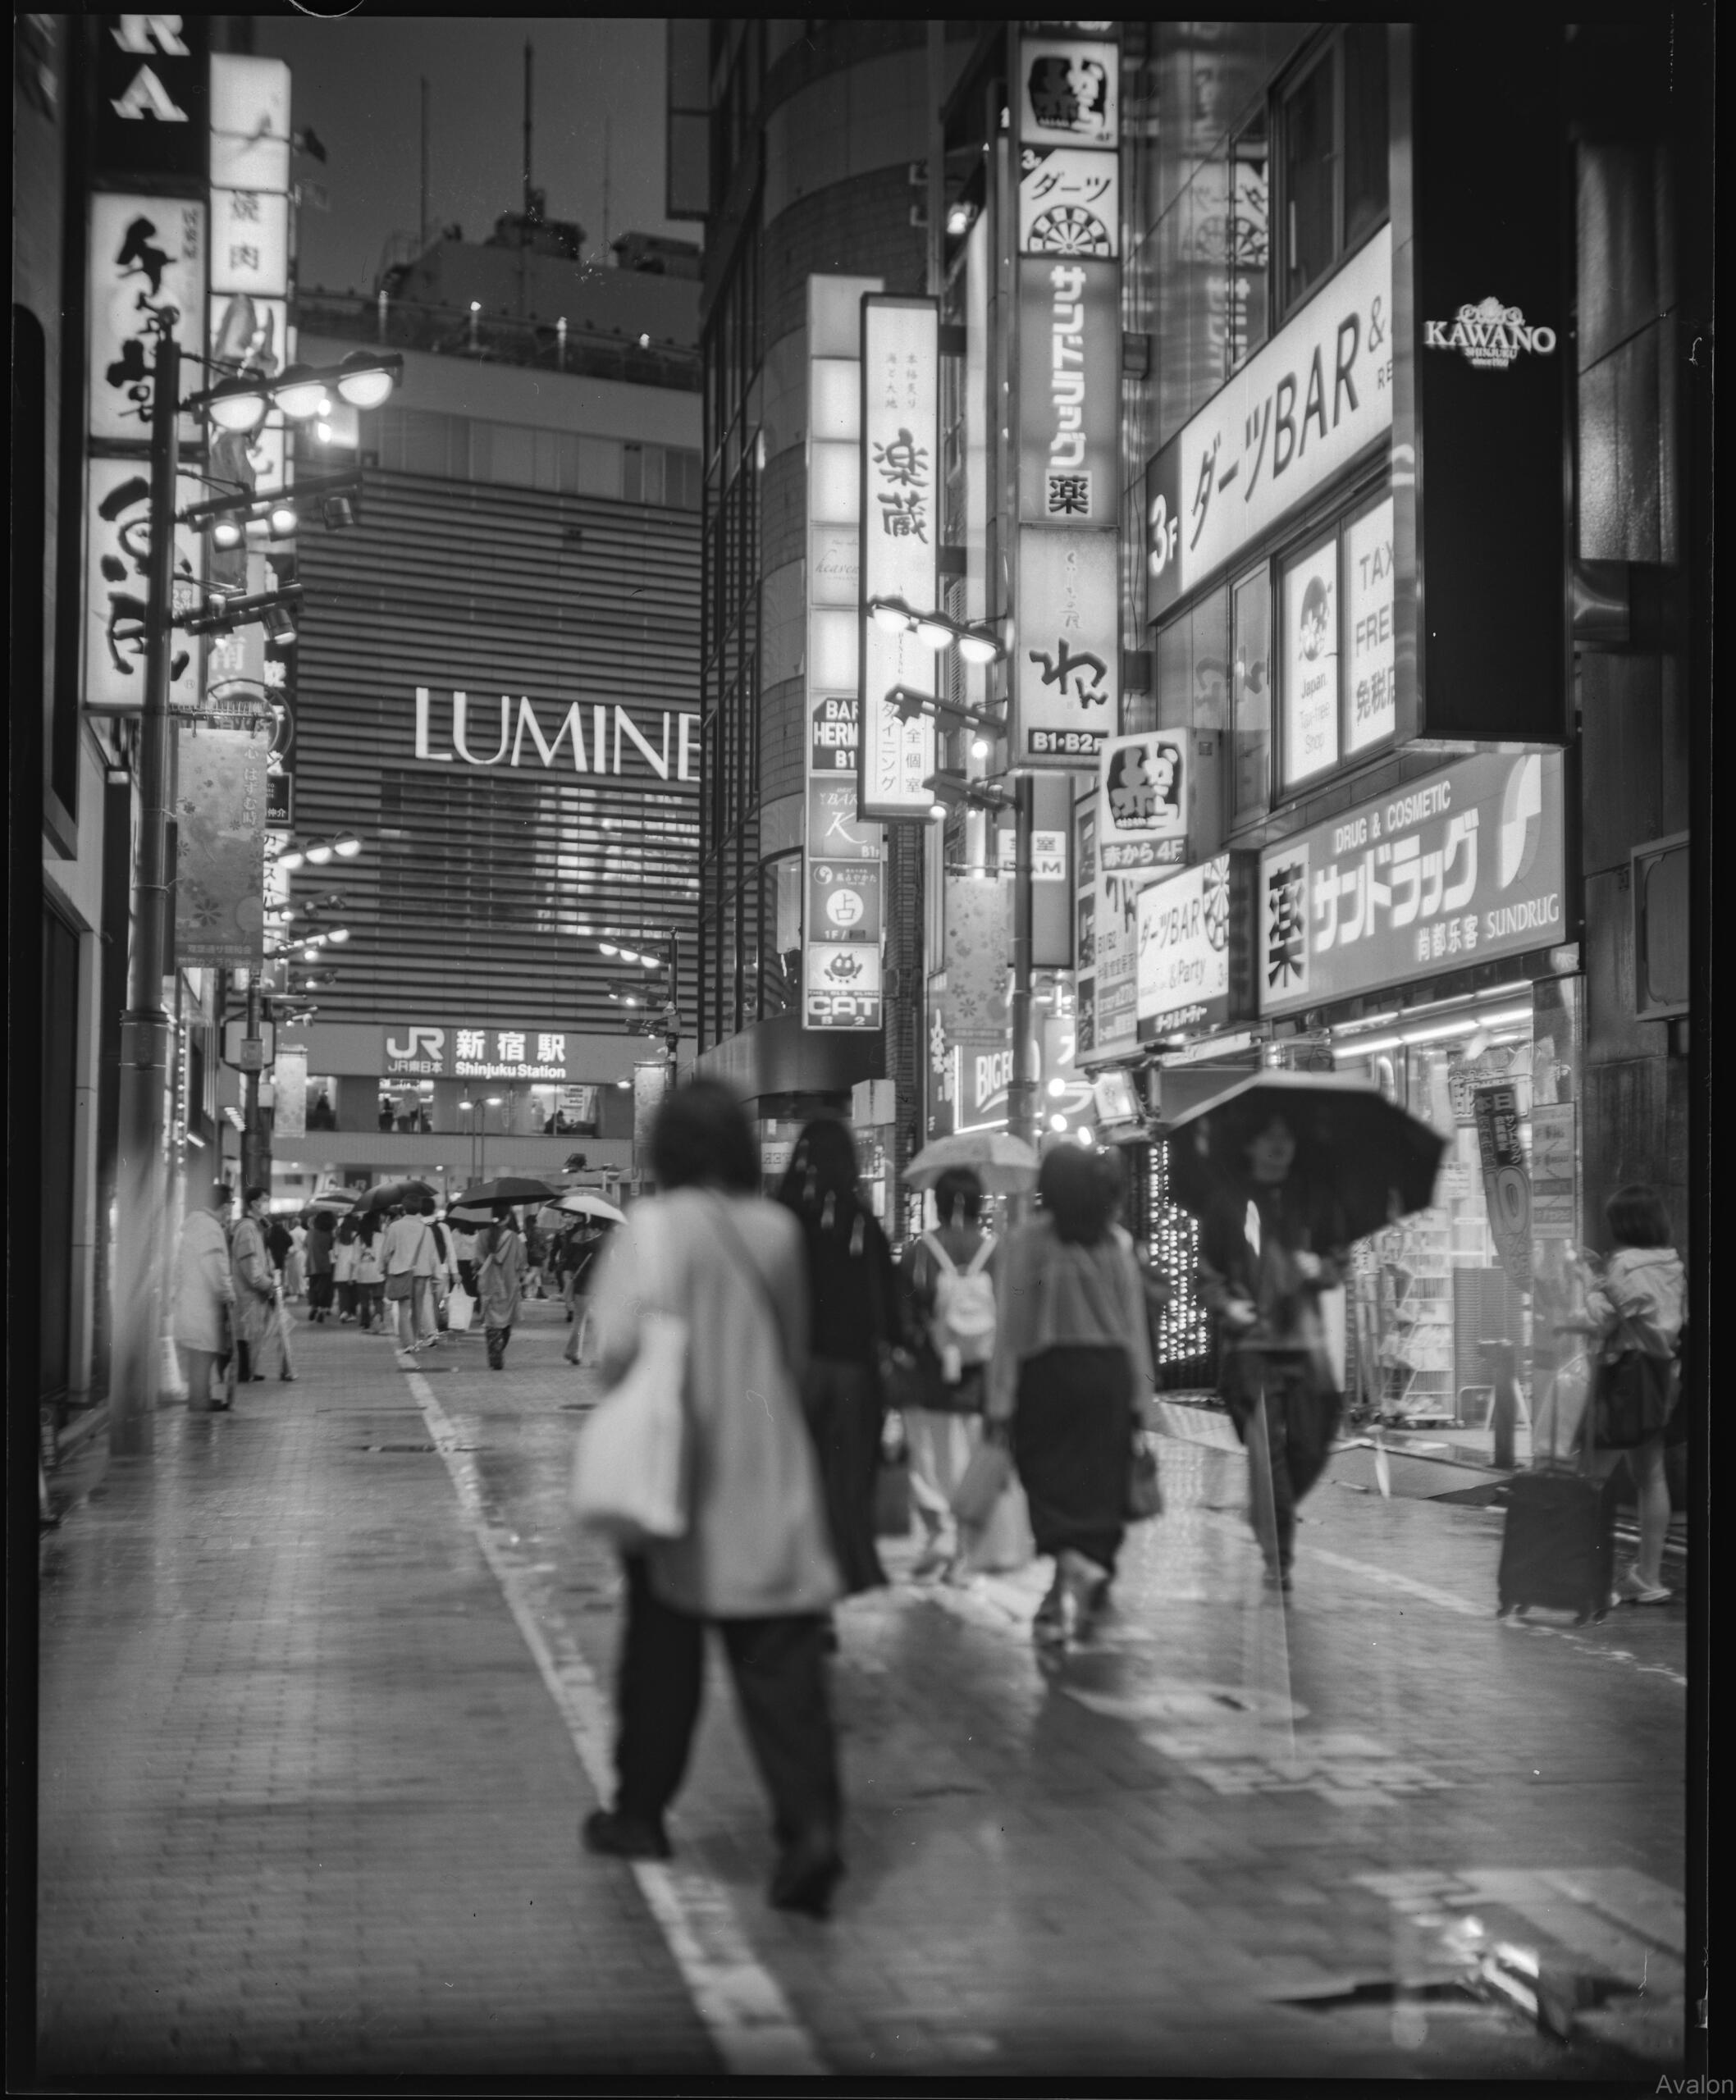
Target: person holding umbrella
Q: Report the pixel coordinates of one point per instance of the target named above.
(499, 1281)
(1269, 1247)
(255, 1287)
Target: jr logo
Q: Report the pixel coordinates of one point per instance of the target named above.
(423, 1042)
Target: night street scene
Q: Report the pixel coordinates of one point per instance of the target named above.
(892, 836)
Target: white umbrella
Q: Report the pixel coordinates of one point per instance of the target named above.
(582, 1203)
(1004, 1165)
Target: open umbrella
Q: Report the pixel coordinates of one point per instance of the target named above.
(1375, 1160)
(383, 1196)
(505, 1189)
(580, 1203)
(1004, 1165)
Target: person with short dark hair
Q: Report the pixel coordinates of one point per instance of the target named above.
(1640, 1301)
(853, 1314)
(204, 1296)
(1072, 1366)
(754, 1560)
(346, 1255)
(499, 1281)
(256, 1287)
(318, 1252)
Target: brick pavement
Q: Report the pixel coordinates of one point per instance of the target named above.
(334, 1830)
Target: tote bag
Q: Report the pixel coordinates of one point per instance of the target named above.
(461, 1310)
(629, 1467)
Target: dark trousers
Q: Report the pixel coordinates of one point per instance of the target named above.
(1300, 1416)
(779, 1669)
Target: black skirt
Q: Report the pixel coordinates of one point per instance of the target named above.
(1072, 1442)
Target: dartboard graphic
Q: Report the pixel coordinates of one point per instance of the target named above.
(1216, 903)
(1070, 229)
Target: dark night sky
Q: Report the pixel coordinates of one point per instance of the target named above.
(357, 82)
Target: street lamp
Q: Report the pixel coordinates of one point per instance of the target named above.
(239, 404)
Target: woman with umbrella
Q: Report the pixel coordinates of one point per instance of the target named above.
(499, 1281)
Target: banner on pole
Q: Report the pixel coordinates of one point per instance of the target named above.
(220, 879)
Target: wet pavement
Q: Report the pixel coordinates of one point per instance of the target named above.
(324, 1700)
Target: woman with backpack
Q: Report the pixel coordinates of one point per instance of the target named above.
(853, 1314)
(949, 1276)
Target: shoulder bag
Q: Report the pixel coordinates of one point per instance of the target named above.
(1632, 1393)
(629, 1467)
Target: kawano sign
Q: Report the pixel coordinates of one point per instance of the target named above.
(457, 729)
(1490, 334)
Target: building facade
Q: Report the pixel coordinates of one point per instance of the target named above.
(1339, 506)
(495, 692)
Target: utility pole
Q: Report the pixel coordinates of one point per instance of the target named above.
(1021, 1091)
(135, 1366)
(256, 1142)
(422, 225)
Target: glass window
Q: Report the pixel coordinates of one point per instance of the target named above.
(1309, 655)
(1251, 695)
(1308, 159)
(1364, 130)
(1250, 244)
(780, 970)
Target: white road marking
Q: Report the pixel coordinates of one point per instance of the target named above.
(757, 2031)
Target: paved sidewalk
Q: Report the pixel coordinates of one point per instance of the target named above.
(320, 1715)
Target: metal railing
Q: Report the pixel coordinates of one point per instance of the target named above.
(501, 338)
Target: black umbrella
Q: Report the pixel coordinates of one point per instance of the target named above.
(506, 1189)
(1377, 1161)
(388, 1193)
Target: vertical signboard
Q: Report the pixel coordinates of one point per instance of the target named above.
(147, 280)
(900, 533)
(1065, 696)
(1506, 1183)
(219, 874)
(1140, 827)
(844, 877)
(149, 110)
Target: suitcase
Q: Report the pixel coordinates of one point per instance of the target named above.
(1558, 1546)
(1558, 1549)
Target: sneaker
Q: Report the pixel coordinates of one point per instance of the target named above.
(624, 1837)
(1631, 1591)
(806, 1877)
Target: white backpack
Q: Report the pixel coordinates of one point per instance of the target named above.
(962, 1323)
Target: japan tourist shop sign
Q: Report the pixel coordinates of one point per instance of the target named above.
(1192, 970)
(900, 533)
(1070, 345)
(1459, 867)
(1288, 422)
(439, 1050)
(1067, 682)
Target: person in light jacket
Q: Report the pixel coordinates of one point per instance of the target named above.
(755, 1561)
(499, 1281)
(256, 1288)
(204, 1296)
(409, 1252)
(1640, 1300)
(346, 1257)
(370, 1274)
(1071, 1368)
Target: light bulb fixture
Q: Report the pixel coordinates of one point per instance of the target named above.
(279, 626)
(936, 813)
(978, 645)
(1086, 1135)
(236, 404)
(609, 947)
(467, 1104)
(281, 519)
(979, 747)
(364, 381)
(645, 342)
(1057, 1123)
(651, 962)
(336, 513)
(348, 847)
(322, 432)
(290, 860)
(1057, 1087)
(298, 393)
(338, 934)
(227, 532)
(319, 855)
(494, 1100)
(623, 1083)
(891, 615)
(933, 634)
(959, 217)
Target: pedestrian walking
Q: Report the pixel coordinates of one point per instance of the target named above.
(462, 1241)
(409, 1258)
(278, 1243)
(499, 1281)
(1071, 1365)
(370, 1274)
(754, 1561)
(1269, 1244)
(345, 1258)
(948, 1277)
(204, 1295)
(854, 1317)
(1639, 1302)
(585, 1258)
(295, 1262)
(255, 1288)
(319, 1252)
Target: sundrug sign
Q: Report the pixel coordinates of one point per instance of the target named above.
(461, 728)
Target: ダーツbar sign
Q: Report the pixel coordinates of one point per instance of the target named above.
(900, 533)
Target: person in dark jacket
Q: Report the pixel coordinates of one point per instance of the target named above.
(321, 1240)
(853, 1314)
(278, 1244)
(1269, 1246)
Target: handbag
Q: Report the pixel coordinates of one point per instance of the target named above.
(461, 1310)
(1632, 1395)
(398, 1286)
(629, 1465)
(984, 1481)
(1144, 1489)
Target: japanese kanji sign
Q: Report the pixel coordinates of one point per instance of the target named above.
(845, 878)
(147, 278)
(220, 873)
(1507, 1184)
(1068, 93)
(424, 1050)
(1070, 345)
(1067, 665)
(1069, 203)
(250, 242)
(1193, 944)
(1459, 867)
(1369, 667)
(1286, 423)
(900, 528)
(116, 557)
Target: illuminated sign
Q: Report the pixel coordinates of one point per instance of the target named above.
(1309, 603)
(1069, 203)
(1138, 831)
(1293, 417)
(149, 109)
(1191, 970)
(438, 1050)
(1066, 667)
(1489, 336)
(1459, 868)
(250, 242)
(900, 530)
(455, 729)
(147, 276)
(1070, 346)
(1370, 680)
(1068, 93)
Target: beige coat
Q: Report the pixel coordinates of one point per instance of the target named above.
(757, 1546)
(203, 1283)
(255, 1282)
